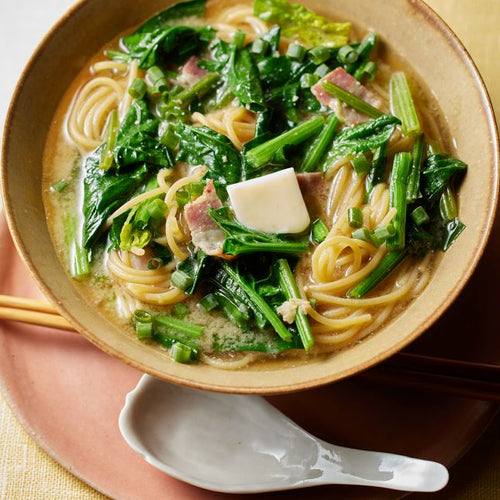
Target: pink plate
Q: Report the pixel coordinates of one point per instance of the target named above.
(68, 395)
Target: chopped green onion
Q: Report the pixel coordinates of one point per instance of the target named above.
(209, 302)
(157, 208)
(360, 164)
(155, 263)
(182, 196)
(143, 322)
(169, 137)
(307, 80)
(181, 280)
(402, 104)
(398, 183)
(59, 186)
(351, 100)
(355, 217)
(420, 216)
(322, 70)
(259, 46)
(366, 71)
(362, 234)
(321, 144)
(291, 291)
(118, 55)
(413, 190)
(180, 353)
(239, 39)
(263, 153)
(157, 78)
(138, 88)
(110, 134)
(319, 54)
(380, 234)
(364, 49)
(319, 231)
(347, 55)
(388, 263)
(180, 310)
(196, 188)
(296, 51)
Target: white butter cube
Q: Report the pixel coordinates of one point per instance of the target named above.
(272, 203)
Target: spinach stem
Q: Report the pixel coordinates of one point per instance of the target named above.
(291, 291)
(263, 153)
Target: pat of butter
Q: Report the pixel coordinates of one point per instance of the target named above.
(272, 203)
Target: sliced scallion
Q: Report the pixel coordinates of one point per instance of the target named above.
(355, 217)
(319, 231)
(420, 216)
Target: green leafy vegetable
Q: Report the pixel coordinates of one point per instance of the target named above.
(367, 136)
(137, 140)
(291, 291)
(296, 20)
(104, 192)
(437, 172)
(242, 240)
(204, 146)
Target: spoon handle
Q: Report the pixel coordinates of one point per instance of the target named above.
(386, 470)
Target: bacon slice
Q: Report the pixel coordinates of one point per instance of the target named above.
(205, 233)
(343, 79)
(314, 190)
(191, 72)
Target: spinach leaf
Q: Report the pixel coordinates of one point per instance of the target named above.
(105, 191)
(362, 138)
(438, 170)
(204, 146)
(243, 79)
(137, 140)
(189, 272)
(242, 240)
(239, 73)
(175, 44)
(171, 15)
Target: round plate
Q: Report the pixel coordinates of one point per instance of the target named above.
(420, 38)
(68, 395)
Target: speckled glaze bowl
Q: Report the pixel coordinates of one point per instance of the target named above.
(408, 27)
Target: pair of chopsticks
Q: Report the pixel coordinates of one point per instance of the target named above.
(442, 375)
(32, 311)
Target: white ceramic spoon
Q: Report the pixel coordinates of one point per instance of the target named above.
(242, 444)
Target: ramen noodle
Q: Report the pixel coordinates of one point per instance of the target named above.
(235, 181)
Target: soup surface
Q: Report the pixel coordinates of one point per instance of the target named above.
(242, 180)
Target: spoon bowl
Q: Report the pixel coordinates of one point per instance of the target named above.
(242, 444)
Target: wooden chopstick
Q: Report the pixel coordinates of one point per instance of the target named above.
(442, 375)
(404, 369)
(32, 311)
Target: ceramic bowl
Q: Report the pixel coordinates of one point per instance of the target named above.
(410, 28)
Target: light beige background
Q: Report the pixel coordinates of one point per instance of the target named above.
(26, 471)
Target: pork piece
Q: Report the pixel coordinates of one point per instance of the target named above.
(314, 190)
(346, 81)
(191, 72)
(205, 233)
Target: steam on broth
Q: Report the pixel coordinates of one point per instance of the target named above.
(232, 184)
